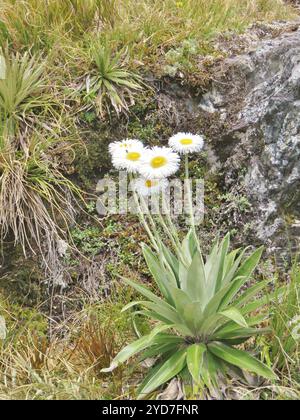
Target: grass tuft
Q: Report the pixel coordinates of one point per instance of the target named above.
(33, 367)
(109, 85)
(22, 90)
(35, 198)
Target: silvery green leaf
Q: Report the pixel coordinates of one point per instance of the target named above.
(235, 315)
(241, 359)
(196, 286)
(165, 372)
(195, 358)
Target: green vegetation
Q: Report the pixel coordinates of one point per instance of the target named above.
(147, 29)
(109, 84)
(32, 193)
(36, 367)
(204, 312)
(284, 349)
(32, 188)
(21, 90)
(34, 22)
(74, 75)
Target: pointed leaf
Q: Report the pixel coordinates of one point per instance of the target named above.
(153, 315)
(230, 327)
(210, 323)
(232, 270)
(186, 309)
(229, 261)
(242, 333)
(158, 350)
(235, 315)
(193, 316)
(166, 311)
(194, 359)
(196, 285)
(152, 371)
(251, 292)
(183, 275)
(223, 252)
(250, 263)
(143, 290)
(132, 305)
(211, 372)
(167, 371)
(211, 259)
(193, 243)
(160, 275)
(128, 352)
(180, 298)
(135, 347)
(171, 261)
(215, 303)
(167, 338)
(185, 249)
(241, 359)
(235, 287)
(264, 300)
(215, 275)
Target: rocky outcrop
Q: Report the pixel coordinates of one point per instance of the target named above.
(255, 98)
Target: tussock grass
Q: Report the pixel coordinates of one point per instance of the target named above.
(23, 96)
(144, 26)
(35, 198)
(41, 24)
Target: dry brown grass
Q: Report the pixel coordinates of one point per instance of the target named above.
(68, 365)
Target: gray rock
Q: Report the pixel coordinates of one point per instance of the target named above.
(258, 96)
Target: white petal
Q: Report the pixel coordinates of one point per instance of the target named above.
(179, 144)
(171, 165)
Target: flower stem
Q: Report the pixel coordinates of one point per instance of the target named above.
(189, 193)
(143, 220)
(169, 233)
(169, 221)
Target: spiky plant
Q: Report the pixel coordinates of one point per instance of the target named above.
(22, 91)
(203, 313)
(35, 198)
(110, 85)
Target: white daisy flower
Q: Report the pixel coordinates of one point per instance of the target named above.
(159, 162)
(128, 158)
(186, 143)
(146, 186)
(119, 146)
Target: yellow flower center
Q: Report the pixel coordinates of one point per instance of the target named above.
(186, 142)
(134, 156)
(149, 183)
(158, 162)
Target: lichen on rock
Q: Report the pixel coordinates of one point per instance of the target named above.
(256, 96)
